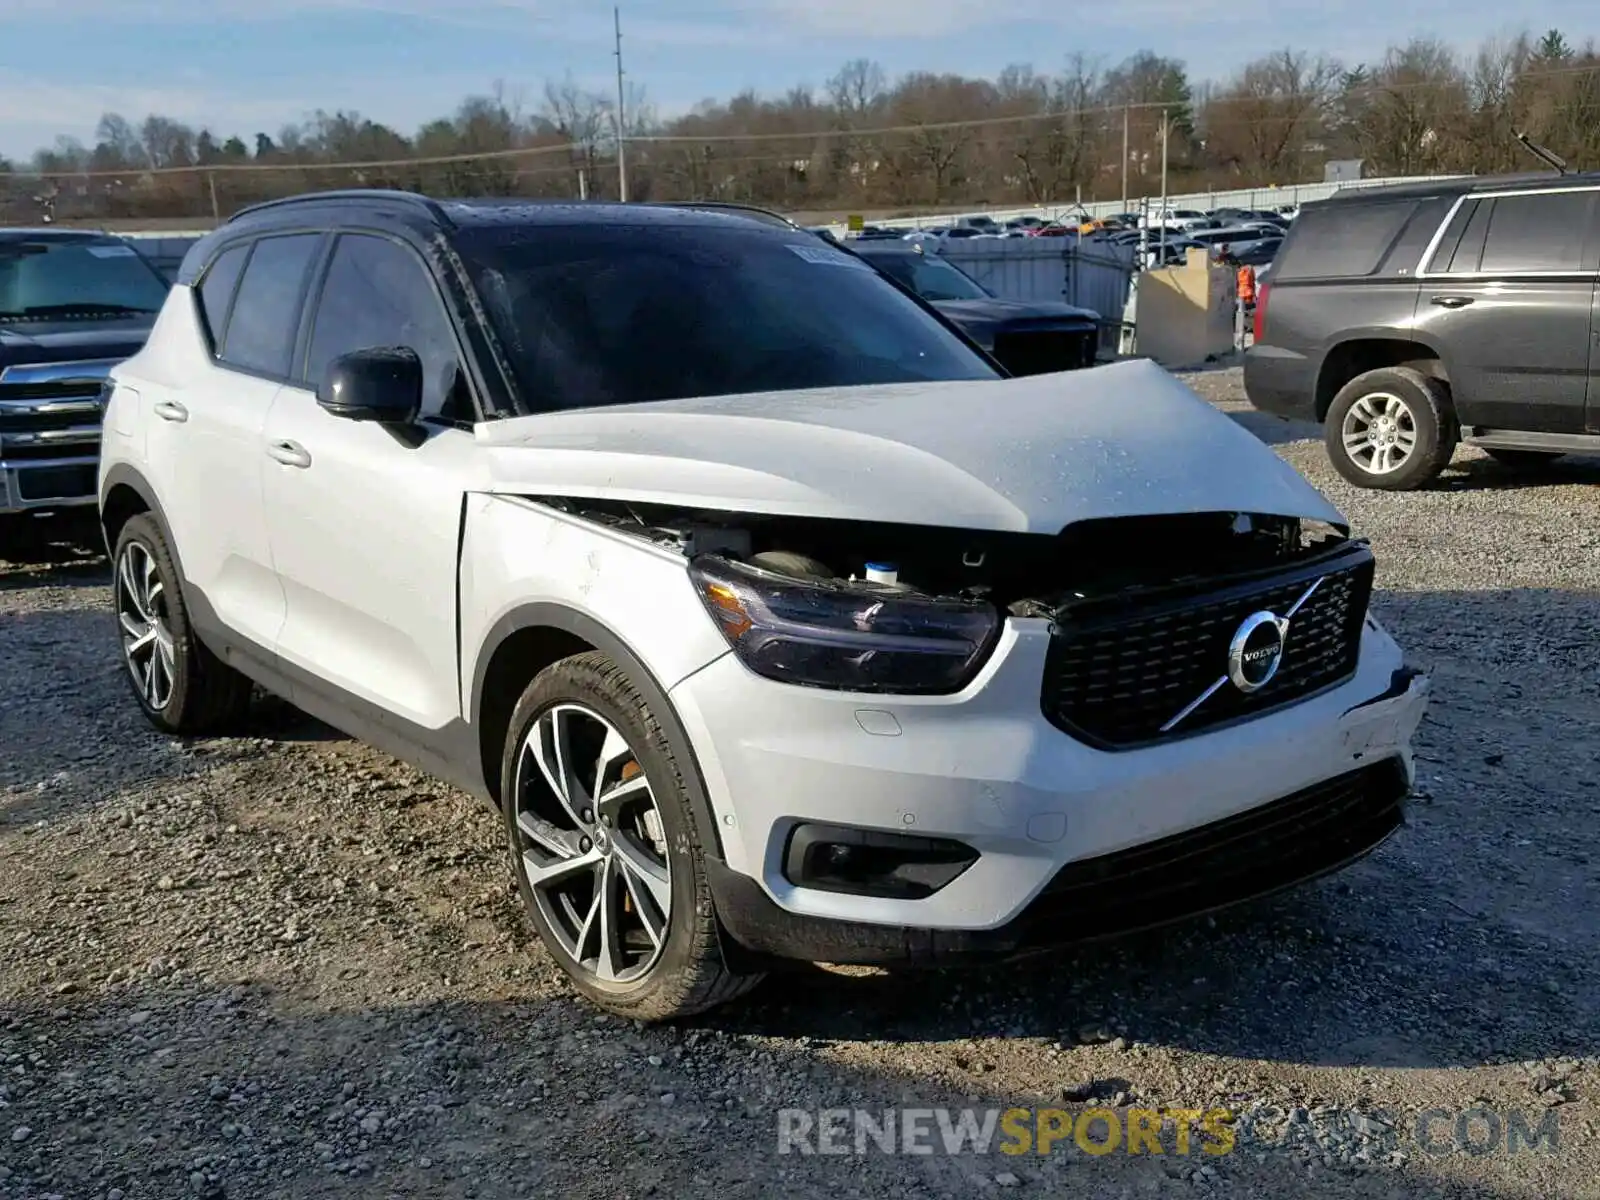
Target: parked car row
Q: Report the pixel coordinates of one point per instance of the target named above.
(1245, 236)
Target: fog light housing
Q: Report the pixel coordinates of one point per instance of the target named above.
(870, 862)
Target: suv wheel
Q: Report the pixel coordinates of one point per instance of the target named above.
(1521, 458)
(605, 851)
(182, 686)
(1391, 429)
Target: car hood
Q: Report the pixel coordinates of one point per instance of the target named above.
(993, 309)
(28, 342)
(1029, 455)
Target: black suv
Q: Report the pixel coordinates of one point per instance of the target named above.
(1407, 319)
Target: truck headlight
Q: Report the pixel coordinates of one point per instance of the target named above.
(850, 637)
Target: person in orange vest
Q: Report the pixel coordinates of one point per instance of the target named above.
(1247, 286)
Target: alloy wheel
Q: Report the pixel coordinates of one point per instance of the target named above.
(592, 844)
(1379, 433)
(147, 645)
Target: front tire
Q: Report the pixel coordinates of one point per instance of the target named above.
(1391, 429)
(182, 687)
(604, 848)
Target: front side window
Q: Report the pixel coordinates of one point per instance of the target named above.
(378, 294)
(618, 314)
(76, 279)
(266, 312)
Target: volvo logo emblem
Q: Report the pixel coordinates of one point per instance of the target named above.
(1254, 655)
(1256, 651)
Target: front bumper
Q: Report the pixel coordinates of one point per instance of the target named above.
(1044, 812)
(45, 485)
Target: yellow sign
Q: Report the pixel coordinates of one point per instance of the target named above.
(855, 222)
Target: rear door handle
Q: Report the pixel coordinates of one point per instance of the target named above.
(1451, 301)
(290, 454)
(171, 410)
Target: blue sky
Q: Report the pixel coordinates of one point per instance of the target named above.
(247, 65)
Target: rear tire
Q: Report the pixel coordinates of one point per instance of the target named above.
(182, 687)
(1522, 458)
(1391, 429)
(605, 849)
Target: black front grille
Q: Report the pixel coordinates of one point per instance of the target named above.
(1040, 351)
(1306, 834)
(1118, 672)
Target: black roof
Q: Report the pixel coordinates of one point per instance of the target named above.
(460, 213)
(427, 217)
(1465, 185)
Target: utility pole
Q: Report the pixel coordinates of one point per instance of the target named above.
(622, 116)
(1165, 127)
(1124, 158)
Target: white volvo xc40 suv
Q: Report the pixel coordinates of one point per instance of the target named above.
(774, 619)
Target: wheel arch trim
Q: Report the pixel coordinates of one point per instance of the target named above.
(559, 617)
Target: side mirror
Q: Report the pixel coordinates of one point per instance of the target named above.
(382, 384)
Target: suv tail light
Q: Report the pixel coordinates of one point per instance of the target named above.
(1259, 328)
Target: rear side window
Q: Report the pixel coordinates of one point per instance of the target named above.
(1537, 233)
(266, 313)
(215, 292)
(1342, 241)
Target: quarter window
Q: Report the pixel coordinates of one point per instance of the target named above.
(216, 291)
(266, 314)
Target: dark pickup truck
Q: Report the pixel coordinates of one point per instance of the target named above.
(72, 305)
(1409, 319)
(1027, 338)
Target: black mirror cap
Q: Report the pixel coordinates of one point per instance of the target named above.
(382, 383)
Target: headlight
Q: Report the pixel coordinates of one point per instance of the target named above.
(851, 637)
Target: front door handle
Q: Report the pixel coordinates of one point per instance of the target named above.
(171, 410)
(290, 454)
(1451, 301)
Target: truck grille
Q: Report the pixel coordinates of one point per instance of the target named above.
(51, 410)
(1118, 673)
(1040, 351)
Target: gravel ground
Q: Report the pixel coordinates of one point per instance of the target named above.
(282, 965)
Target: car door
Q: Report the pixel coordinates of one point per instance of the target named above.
(364, 520)
(204, 448)
(1507, 295)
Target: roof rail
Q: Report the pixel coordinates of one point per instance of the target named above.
(349, 195)
(765, 215)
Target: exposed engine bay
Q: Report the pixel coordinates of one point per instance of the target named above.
(1020, 573)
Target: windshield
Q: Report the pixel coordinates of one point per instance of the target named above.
(85, 279)
(931, 278)
(611, 314)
